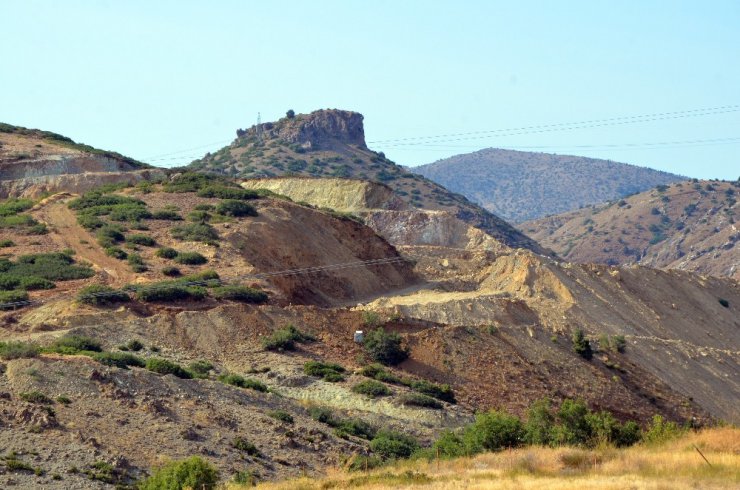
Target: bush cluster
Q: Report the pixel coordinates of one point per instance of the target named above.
(235, 208)
(325, 370)
(190, 258)
(384, 347)
(285, 338)
(101, 295)
(371, 388)
(195, 232)
(239, 293)
(242, 382)
(442, 392)
(343, 427)
(164, 366)
(193, 472)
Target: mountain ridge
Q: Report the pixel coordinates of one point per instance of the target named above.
(520, 186)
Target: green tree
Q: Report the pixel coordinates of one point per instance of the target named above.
(581, 345)
(193, 472)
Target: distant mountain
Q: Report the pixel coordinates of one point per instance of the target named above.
(690, 225)
(331, 143)
(520, 186)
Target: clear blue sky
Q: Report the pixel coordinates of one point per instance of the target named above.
(151, 77)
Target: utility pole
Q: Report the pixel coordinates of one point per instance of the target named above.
(259, 128)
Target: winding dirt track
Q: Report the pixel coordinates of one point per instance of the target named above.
(65, 231)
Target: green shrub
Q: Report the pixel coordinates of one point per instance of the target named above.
(200, 369)
(581, 345)
(192, 182)
(493, 431)
(109, 235)
(167, 292)
(323, 415)
(10, 207)
(171, 271)
(64, 400)
(393, 445)
(50, 266)
(116, 253)
(573, 428)
(285, 339)
(134, 345)
(365, 463)
(36, 397)
(328, 371)
(354, 427)
(166, 253)
(419, 400)
(378, 373)
(619, 343)
(281, 415)
(163, 366)
(12, 297)
(223, 192)
(204, 207)
(6, 243)
(166, 214)
(199, 216)
(193, 473)
(538, 430)
(31, 283)
(235, 208)
(73, 344)
(239, 293)
(242, 382)
(140, 239)
(195, 232)
(661, 430)
(384, 348)
(119, 359)
(440, 392)
(18, 350)
(100, 295)
(190, 258)
(449, 445)
(371, 388)
(245, 446)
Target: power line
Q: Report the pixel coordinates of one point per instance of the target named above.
(211, 282)
(575, 125)
(605, 146)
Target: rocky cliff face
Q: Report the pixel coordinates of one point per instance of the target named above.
(319, 130)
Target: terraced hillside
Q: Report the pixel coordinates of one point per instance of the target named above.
(689, 226)
(331, 143)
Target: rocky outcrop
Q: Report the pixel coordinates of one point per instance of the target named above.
(318, 130)
(33, 187)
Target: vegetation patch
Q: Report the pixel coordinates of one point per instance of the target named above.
(286, 338)
(193, 472)
(195, 232)
(163, 366)
(328, 371)
(281, 415)
(119, 359)
(419, 400)
(190, 258)
(384, 347)
(235, 208)
(101, 295)
(18, 350)
(239, 293)
(242, 382)
(371, 388)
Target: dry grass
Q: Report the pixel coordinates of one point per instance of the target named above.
(672, 465)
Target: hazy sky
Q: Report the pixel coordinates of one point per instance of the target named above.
(147, 78)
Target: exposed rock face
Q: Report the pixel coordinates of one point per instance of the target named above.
(319, 130)
(33, 187)
(383, 211)
(343, 195)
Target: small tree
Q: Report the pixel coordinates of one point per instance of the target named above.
(385, 348)
(581, 345)
(540, 422)
(190, 473)
(290, 114)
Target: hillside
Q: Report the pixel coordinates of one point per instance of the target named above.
(331, 143)
(688, 226)
(34, 162)
(221, 325)
(521, 186)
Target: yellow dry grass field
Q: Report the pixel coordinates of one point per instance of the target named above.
(676, 464)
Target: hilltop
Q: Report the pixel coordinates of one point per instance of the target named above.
(331, 143)
(34, 162)
(521, 186)
(689, 226)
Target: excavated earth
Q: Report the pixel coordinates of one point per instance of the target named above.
(491, 321)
